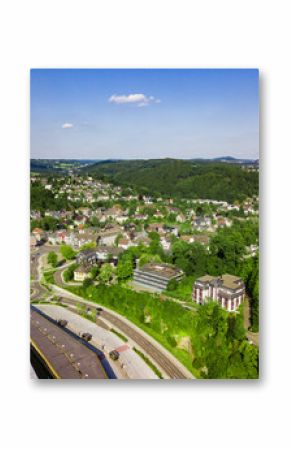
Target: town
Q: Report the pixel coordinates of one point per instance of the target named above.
(120, 248)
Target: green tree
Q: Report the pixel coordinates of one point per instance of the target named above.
(68, 274)
(94, 271)
(125, 268)
(87, 283)
(52, 259)
(106, 273)
(172, 285)
(67, 252)
(147, 258)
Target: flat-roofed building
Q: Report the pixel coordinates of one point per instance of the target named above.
(156, 275)
(227, 290)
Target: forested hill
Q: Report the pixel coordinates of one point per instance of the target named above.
(173, 177)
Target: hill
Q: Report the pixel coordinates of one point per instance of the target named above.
(179, 178)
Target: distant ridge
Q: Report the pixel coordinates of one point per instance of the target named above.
(222, 179)
(229, 160)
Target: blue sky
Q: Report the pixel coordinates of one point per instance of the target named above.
(141, 114)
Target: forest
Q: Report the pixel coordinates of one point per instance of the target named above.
(180, 178)
(43, 200)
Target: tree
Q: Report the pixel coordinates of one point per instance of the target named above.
(106, 273)
(236, 330)
(190, 257)
(172, 285)
(68, 274)
(88, 245)
(67, 252)
(147, 258)
(94, 271)
(52, 259)
(125, 268)
(87, 283)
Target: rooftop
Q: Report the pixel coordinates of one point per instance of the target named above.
(226, 280)
(82, 269)
(161, 269)
(230, 281)
(206, 278)
(88, 252)
(115, 251)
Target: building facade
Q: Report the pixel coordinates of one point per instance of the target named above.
(227, 290)
(87, 257)
(81, 273)
(156, 275)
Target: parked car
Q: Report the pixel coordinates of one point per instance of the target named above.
(62, 323)
(114, 355)
(87, 336)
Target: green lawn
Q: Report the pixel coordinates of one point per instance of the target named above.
(209, 341)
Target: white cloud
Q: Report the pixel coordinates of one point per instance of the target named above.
(139, 100)
(67, 125)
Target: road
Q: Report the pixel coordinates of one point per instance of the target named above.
(252, 336)
(129, 365)
(159, 355)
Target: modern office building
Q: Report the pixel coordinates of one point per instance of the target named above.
(156, 275)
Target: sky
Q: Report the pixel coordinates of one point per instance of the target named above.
(144, 113)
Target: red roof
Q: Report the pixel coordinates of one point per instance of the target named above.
(37, 230)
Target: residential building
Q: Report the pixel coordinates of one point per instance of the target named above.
(39, 234)
(81, 273)
(227, 290)
(33, 240)
(87, 257)
(156, 227)
(107, 254)
(165, 242)
(187, 238)
(108, 236)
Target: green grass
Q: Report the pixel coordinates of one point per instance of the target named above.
(48, 276)
(50, 303)
(183, 290)
(119, 334)
(182, 355)
(212, 340)
(148, 362)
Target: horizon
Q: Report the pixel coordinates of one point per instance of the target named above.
(140, 159)
(165, 113)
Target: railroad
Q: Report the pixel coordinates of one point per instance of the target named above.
(164, 362)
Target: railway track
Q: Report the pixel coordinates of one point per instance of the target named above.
(164, 362)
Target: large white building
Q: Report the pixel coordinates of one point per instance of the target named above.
(228, 290)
